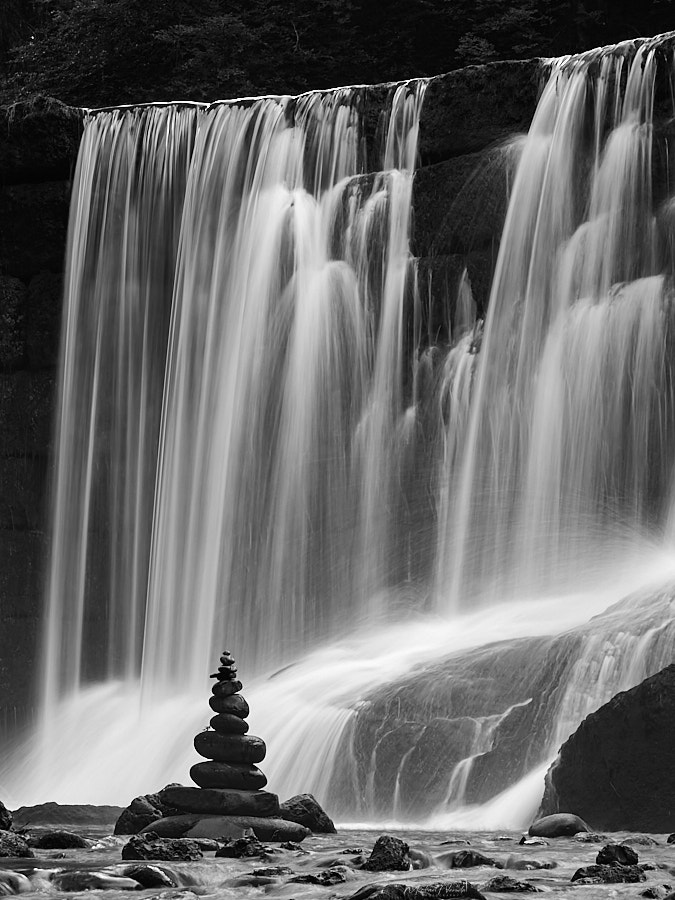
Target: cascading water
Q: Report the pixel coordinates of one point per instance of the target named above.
(420, 538)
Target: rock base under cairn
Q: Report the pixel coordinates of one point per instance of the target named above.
(228, 827)
(221, 801)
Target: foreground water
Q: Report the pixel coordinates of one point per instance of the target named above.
(224, 878)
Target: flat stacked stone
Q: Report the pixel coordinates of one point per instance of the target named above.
(229, 798)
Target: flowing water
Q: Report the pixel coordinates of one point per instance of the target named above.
(255, 450)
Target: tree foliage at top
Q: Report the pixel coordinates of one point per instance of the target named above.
(106, 52)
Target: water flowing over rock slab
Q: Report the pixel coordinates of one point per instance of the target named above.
(221, 801)
(617, 768)
(442, 890)
(228, 827)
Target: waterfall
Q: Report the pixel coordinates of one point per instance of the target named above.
(409, 548)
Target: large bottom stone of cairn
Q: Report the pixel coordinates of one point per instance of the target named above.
(196, 825)
(221, 801)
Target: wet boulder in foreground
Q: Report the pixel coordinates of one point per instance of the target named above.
(558, 825)
(617, 768)
(304, 809)
(152, 846)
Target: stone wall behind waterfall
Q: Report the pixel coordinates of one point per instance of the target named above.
(459, 204)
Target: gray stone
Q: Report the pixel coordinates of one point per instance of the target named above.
(150, 845)
(150, 876)
(388, 855)
(221, 801)
(441, 890)
(558, 825)
(226, 723)
(212, 774)
(59, 840)
(608, 875)
(13, 845)
(245, 748)
(92, 881)
(234, 705)
(502, 884)
(205, 825)
(305, 810)
(616, 854)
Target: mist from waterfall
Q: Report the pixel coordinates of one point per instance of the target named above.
(258, 450)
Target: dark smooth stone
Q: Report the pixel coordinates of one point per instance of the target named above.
(558, 825)
(226, 688)
(234, 705)
(194, 825)
(222, 801)
(226, 723)
(226, 775)
(244, 748)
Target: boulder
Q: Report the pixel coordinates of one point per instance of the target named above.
(616, 855)
(389, 854)
(141, 812)
(246, 847)
(439, 890)
(221, 801)
(241, 777)
(226, 688)
(205, 825)
(502, 884)
(608, 875)
(325, 878)
(13, 845)
(305, 810)
(558, 825)
(233, 748)
(617, 767)
(59, 840)
(150, 876)
(5, 817)
(466, 859)
(151, 846)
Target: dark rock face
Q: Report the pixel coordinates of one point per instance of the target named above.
(608, 875)
(617, 768)
(5, 818)
(305, 810)
(389, 854)
(12, 845)
(151, 846)
(247, 847)
(141, 812)
(558, 825)
(616, 854)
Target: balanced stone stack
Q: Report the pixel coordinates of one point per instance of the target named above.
(229, 798)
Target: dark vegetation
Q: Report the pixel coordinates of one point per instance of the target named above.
(104, 52)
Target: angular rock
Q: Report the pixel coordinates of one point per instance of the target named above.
(205, 825)
(441, 890)
(226, 688)
(589, 837)
(616, 854)
(558, 825)
(234, 705)
(608, 875)
(273, 871)
(226, 723)
(5, 817)
(150, 876)
(617, 768)
(466, 859)
(390, 854)
(670, 839)
(59, 840)
(246, 847)
(244, 748)
(639, 840)
(227, 775)
(502, 884)
(325, 878)
(13, 845)
(221, 801)
(150, 845)
(305, 810)
(518, 863)
(141, 812)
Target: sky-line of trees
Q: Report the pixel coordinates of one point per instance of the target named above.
(104, 52)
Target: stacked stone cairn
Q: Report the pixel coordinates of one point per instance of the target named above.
(229, 801)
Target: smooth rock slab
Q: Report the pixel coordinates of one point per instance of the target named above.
(221, 801)
(244, 748)
(194, 825)
(234, 705)
(226, 723)
(228, 775)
